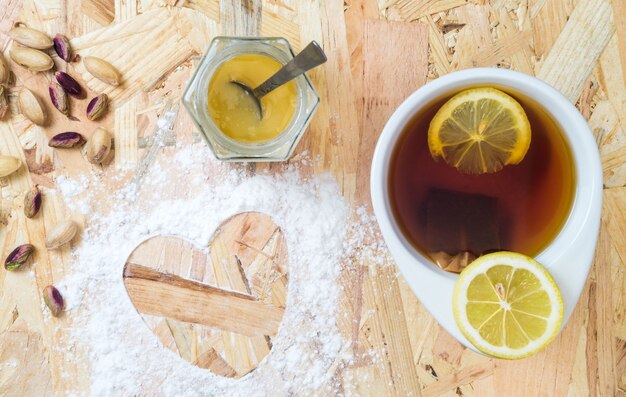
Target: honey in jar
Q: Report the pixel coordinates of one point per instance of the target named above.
(235, 114)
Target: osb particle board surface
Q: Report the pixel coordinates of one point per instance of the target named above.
(573, 44)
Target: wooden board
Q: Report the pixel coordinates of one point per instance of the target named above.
(217, 309)
(377, 55)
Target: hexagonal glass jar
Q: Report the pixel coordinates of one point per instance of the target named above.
(225, 148)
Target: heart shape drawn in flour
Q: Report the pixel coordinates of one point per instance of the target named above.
(219, 311)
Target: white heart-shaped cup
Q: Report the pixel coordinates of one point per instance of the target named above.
(568, 257)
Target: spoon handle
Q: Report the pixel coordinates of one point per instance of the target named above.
(310, 57)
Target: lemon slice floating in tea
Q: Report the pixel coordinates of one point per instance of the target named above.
(479, 131)
(507, 305)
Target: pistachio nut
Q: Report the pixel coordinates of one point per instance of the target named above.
(68, 139)
(98, 146)
(4, 102)
(32, 202)
(18, 256)
(102, 70)
(35, 60)
(30, 37)
(69, 84)
(54, 300)
(62, 47)
(58, 97)
(97, 107)
(31, 107)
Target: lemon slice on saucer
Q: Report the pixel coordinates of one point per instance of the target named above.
(507, 305)
(479, 131)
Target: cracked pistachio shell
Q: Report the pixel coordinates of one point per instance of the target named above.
(5, 72)
(9, 165)
(61, 234)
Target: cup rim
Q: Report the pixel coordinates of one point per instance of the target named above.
(573, 125)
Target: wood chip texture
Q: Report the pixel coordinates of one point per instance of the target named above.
(378, 52)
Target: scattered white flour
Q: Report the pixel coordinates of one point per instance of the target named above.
(125, 357)
(70, 189)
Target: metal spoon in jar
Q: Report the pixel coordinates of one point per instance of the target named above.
(307, 59)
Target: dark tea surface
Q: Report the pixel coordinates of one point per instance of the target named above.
(520, 208)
